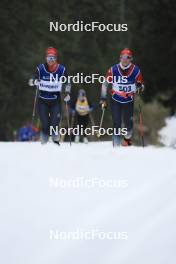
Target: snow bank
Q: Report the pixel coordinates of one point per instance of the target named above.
(168, 133)
(31, 207)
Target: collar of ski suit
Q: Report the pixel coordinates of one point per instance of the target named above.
(125, 67)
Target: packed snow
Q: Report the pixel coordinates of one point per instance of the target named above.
(141, 207)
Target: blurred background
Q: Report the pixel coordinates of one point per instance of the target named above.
(25, 35)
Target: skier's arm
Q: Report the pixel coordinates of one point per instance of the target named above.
(73, 107)
(34, 78)
(91, 106)
(139, 82)
(104, 88)
(67, 88)
(67, 84)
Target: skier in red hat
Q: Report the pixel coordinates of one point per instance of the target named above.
(126, 79)
(49, 93)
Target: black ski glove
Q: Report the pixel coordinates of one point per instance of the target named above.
(139, 87)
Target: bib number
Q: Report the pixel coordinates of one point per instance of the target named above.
(125, 88)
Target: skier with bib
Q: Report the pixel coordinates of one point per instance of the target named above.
(81, 109)
(47, 78)
(126, 80)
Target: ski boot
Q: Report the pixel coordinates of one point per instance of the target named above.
(126, 142)
(56, 139)
(77, 139)
(85, 140)
(43, 138)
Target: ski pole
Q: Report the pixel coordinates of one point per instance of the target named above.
(62, 136)
(68, 121)
(34, 105)
(101, 120)
(92, 122)
(141, 128)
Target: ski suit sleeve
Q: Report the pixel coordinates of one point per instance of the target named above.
(72, 107)
(34, 78)
(104, 87)
(139, 79)
(91, 106)
(67, 84)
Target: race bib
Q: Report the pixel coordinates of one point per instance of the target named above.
(50, 86)
(125, 88)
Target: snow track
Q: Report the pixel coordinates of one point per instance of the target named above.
(30, 205)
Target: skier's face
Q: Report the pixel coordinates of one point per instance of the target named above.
(125, 60)
(82, 96)
(51, 60)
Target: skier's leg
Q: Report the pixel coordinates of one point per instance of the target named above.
(79, 123)
(55, 112)
(128, 122)
(43, 111)
(85, 122)
(116, 118)
(77, 137)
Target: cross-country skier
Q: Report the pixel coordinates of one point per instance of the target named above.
(26, 133)
(48, 80)
(126, 80)
(81, 109)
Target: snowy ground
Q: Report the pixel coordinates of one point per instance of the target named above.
(30, 206)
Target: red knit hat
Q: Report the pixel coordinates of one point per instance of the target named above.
(51, 51)
(126, 52)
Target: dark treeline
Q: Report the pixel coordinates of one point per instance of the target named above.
(25, 35)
